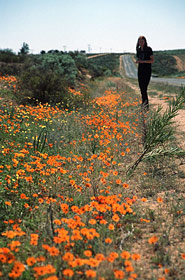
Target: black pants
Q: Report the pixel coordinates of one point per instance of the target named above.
(144, 79)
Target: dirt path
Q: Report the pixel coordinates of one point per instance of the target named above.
(96, 55)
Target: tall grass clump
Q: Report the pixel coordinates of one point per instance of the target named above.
(158, 130)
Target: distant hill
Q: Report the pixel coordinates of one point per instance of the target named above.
(169, 63)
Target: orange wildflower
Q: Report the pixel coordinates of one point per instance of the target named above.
(153, 239)
(112, 256)
(136, 257)
(68, 272)
(129, 268)
(68, 257)
(3, 258)
(125, 255)
(133, 275)
(23, 196)
(53, 251)
(17, 270)
(115, 218)
(9, 234)
(34, 239)
(8, 203)
(159, 199)
(42, 270)
(118, 181)
(88, 253)
(90, 273)
(64, 207)
(13, 245)
(108, 240)
(145, 220)
(30, 261)
(119, 274)
(183, 255)
(111, 227)
(40, 200)
(51, 278)
(100, 257)
(92, 221)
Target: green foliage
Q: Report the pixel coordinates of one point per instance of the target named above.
(105, 65)
(7, 55)
(10, 63)
(10, 68)
(164, 64)
(60, 64)
(46, 77)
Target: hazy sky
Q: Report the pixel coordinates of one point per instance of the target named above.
(102, 25)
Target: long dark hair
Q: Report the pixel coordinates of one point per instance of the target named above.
(143, 38)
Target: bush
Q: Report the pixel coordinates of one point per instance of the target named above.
(46, 78)
(10, 68)
(45, 87)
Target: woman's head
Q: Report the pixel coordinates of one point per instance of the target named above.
(141, 42)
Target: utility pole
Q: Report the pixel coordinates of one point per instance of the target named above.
(89, 48)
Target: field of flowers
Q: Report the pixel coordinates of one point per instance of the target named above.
(67, 207)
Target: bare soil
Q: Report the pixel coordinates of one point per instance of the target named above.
(180, 63)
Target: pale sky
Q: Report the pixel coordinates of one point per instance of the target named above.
(102, 25)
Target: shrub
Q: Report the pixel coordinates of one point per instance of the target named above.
(46, 77)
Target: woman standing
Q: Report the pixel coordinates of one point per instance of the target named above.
(144, 58)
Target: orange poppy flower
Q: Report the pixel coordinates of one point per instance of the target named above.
(153, 239)
(125, 255)
(90, 273)
(159, 199)
(30, 261)
(115, 218)
(111, 227)
(136, 257)
(108, 240)
(8, 203)
(119, 274)
(88, 253)
(68, 272)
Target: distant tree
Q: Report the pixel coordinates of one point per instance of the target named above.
(25, 49)
(42, 52)
(51, 51)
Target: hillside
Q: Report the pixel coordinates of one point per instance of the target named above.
(169, 63)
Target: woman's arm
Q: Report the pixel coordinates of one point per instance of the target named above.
(146, 61)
